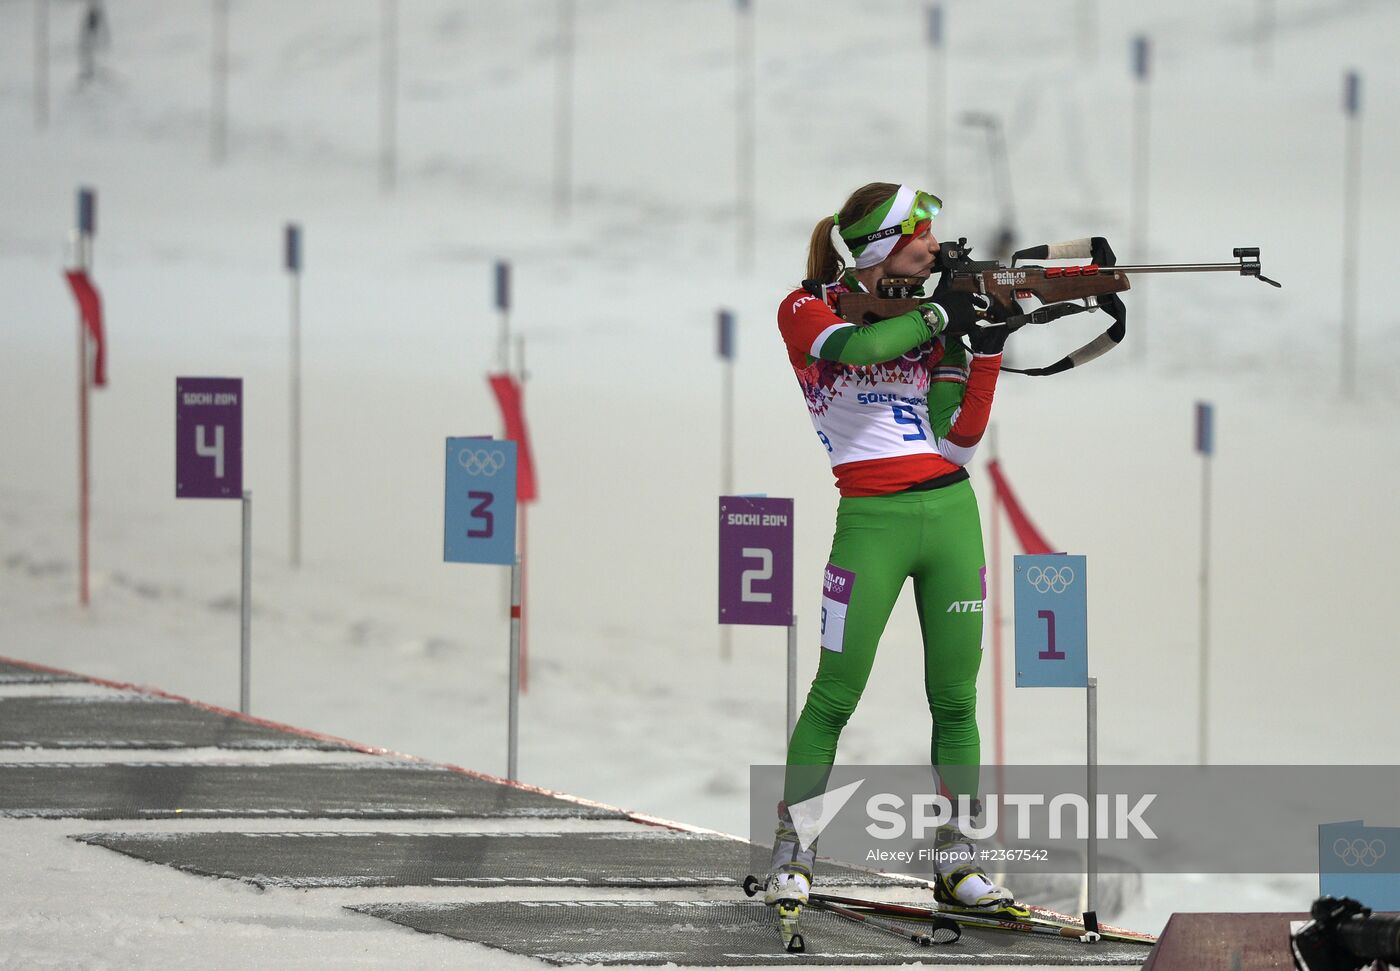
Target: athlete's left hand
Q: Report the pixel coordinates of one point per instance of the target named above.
(988, 338)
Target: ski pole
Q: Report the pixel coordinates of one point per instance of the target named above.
(889, 927)
(972, 920)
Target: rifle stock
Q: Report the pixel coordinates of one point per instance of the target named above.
(1002, 284)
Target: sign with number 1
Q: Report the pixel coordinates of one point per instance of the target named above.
(755, 561)
(208, 438)
(1052, 625)
(479, 517)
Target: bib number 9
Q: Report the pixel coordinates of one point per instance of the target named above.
(905, 415)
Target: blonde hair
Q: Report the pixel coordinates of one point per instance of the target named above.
(824, 264)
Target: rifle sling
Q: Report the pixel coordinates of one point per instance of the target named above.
(1100, 345)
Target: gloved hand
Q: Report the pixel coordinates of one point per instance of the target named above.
(963, 311)
(990, 337)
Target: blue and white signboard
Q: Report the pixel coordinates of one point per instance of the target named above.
(1361, 862)
(479, 517)
(1052, 622)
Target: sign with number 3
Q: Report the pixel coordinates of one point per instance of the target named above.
(479, 516)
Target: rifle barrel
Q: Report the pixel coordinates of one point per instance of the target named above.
(1179, 268)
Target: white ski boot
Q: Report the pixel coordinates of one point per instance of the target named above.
(960, 882)
(790, 869)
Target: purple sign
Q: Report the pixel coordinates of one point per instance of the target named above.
(755, 561)
(208, 438)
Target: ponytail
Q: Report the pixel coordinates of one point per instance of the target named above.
(824, 264)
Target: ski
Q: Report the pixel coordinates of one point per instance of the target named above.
(943, 931)
(789, 918)
(1008, 920)
(790, 925)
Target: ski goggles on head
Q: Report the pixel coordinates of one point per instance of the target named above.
(879, 233)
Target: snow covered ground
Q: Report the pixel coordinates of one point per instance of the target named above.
(374, 638)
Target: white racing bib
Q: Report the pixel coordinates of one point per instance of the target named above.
(836, 600)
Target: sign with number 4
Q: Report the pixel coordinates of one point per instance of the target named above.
(208, 438)
(479, 517)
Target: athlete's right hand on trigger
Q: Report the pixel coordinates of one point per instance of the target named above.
(963, 311)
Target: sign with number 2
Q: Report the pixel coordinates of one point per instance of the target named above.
(755, 561)
(479, 516)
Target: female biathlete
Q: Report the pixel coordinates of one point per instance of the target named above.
(899, 406)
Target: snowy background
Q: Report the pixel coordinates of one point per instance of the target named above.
(376, 639)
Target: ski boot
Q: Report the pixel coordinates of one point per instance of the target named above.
(960, 883)
(789, 879)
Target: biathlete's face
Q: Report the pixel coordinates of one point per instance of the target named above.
(914, 258)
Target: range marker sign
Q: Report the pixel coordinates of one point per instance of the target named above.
(755, 561)
(208, 438)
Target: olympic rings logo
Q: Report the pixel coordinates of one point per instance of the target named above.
(1052, 579)
(1367, 853)
(481, 461)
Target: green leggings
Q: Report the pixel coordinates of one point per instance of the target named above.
(934, 537)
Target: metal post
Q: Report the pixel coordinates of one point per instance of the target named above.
(513, 707)
(1087, 31)
(1092, 876)
(86, 225)
(388, 94)
(1141, 131)
(218, 96)
(246, 611)
(296, 418)
(1351, 223)
(1203, 701)
(726, 635)
(792, 677)
(938, 100)
(41, 64)
(994, 594)
(523, 515)
(1264, 35)
(563, 112)
(744, 137)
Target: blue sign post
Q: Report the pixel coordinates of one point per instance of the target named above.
(1052, 629)
(479, 527)
(1361, 862)
(479, 515)
(1052, 651)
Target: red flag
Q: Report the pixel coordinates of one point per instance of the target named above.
(90, 306)
(1029, 537)
(512, 401)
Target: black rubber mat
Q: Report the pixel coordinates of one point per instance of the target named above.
(19, 674)
(718, 933)
(370, 790)
(68, 722)
(645, 858)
